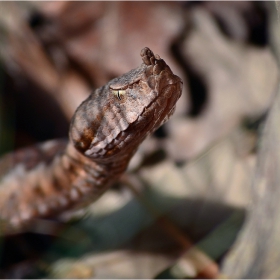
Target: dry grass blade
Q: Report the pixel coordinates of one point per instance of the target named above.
(197, 261)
